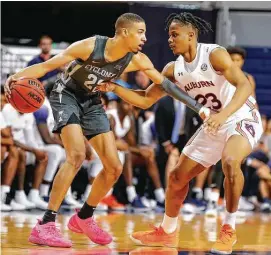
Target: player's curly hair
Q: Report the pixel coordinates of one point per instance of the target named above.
(186, 18)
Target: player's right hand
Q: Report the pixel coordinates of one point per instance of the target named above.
(8, 84)
(106, 86)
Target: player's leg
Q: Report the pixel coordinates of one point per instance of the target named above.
(195, 158)
(73, 141)
(233, 185)
(83, 222)
(231, 162)
(178, 184)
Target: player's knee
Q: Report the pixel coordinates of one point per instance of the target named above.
(76, 158)
(231, 167)
(176, 179)
(117, 170)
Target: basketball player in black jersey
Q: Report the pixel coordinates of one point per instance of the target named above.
(78, 112)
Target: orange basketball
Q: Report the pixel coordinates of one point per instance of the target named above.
(27, 95)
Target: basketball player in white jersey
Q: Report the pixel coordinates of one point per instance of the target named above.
(207, 73)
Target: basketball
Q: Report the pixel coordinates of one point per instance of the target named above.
(27, 95)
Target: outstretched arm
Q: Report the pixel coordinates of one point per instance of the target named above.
(165, 81)
(80, 49)
(161, 86)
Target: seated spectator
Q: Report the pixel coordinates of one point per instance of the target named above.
(10, 161)
(22, 131)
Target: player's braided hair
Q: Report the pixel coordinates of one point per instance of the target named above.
(187, 18)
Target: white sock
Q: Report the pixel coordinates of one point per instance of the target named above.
(131, 193)
(159, 195)
(230, 219)
(214, 196)
(207, 194)
(44, 190)
(199, 192)
(169, 224)
(5, 189)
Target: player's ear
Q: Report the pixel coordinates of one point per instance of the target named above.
(191, 35)
(125, 32)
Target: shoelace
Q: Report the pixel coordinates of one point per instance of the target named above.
(94, 225)
(225, 235)
(157, 230)
(53, 230)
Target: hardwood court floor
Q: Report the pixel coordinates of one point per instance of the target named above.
(197, 235)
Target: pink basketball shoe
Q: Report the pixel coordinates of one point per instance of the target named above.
(48, 234)
(90, 228)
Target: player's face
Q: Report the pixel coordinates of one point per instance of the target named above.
(238, 60)
(46, 45)
(179, 38)
(136, 36)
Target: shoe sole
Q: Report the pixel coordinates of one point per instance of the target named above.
(38, 241)
(222, 252)
(138, 242)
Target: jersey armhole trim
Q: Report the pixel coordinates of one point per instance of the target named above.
(217, 72)
(95, 46)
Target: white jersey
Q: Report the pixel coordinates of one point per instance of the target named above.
(203, 83)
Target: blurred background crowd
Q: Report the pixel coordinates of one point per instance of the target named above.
(149, 141)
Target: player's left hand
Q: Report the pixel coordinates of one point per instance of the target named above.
(106, 87)
(214, 122)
